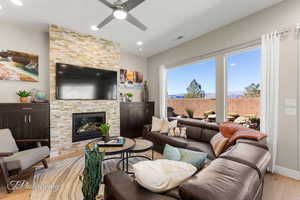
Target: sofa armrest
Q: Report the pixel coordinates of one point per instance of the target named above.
(262, 143)
(119, 186)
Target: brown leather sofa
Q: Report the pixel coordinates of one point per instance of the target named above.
(198, 134)
(237, 174)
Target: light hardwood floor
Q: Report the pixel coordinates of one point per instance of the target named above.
(276, 187)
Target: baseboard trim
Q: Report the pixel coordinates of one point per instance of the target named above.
(287, 172)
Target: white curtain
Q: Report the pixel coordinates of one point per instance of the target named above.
(162, 91)
(270, 91)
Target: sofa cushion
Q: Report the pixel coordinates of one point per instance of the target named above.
(25, 159)
(198, 130)
(202, 147)
(174, 141)
(7, 142)
(223, 179)
(226, 179)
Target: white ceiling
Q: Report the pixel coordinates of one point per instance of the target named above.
(166, 19)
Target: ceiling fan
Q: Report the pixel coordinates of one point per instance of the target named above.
(121, 11)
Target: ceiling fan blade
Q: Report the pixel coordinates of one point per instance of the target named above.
(136, 22)
(108, 4)
(131, 4)
(106, 21)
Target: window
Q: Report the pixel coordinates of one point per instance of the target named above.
(192, 90)
(243, 88)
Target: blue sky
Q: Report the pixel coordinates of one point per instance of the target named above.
(243, 69)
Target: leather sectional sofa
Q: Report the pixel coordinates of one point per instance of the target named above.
(237, 174)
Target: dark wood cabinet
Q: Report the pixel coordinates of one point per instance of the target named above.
(26, 121)
(134, 116)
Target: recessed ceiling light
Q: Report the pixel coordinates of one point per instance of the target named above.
(1, 7)
(94, 28)
(139, 43)
(17, 2)
(233, 64)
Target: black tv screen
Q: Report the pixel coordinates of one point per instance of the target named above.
(83, 83)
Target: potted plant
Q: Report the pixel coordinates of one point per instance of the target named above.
(24, 94)
(189, 112)
(129, 97)
(92, 174)
(104, 129)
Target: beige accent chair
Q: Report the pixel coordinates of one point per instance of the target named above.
(13, 161)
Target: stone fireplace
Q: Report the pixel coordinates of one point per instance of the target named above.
(69, 47)
(85, 126)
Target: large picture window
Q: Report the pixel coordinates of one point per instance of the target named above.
(192, 90)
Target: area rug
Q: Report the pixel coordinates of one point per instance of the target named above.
(62, 179)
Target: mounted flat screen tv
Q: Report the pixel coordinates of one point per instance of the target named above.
(83, 83)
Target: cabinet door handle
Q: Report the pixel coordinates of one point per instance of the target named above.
(29, 118)
(25, 119)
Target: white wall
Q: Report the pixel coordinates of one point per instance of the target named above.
(281, 16)
(34, 39)
(29, 39)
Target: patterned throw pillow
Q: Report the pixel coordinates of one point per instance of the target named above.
(166, 125)
(218, 143)
(177, 132)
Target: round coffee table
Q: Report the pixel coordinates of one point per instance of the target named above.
(118, 150)
(141, 146)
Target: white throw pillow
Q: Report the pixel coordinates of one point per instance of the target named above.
(162, 175)
(156, 124)
(162, 125)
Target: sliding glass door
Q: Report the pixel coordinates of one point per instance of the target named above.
(243, 87)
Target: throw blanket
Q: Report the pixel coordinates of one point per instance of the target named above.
(235, 132)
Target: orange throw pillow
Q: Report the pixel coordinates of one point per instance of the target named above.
(228, 129)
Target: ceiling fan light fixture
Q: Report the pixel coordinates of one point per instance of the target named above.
(120, 14)
(17, 2)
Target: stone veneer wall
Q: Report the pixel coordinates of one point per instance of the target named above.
(70, 47)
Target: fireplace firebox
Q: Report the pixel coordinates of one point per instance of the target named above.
(86, 125)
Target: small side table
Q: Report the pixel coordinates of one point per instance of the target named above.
(141, 146)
